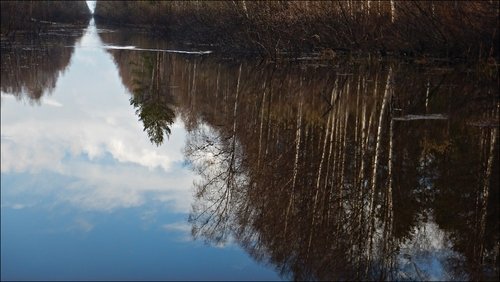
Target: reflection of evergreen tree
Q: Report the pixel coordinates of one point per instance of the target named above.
(152, 103)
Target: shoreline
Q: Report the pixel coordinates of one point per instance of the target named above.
(458, 31)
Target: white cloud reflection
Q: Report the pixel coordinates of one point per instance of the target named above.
(425, 256)
(91, 5)
(177, 227)
(51, 102)
(182, 229)
(88, 132)
(82, 224)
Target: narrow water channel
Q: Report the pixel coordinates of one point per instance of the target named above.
(126, 157)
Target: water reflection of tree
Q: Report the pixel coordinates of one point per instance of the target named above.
(151, 99)
(333, 197)
(149, 76)
(306, 168)
(32, 65)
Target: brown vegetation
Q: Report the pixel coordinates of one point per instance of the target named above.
(435, 28)
(31, 65)
(34, 15)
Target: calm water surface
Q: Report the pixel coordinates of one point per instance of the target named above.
(123, 157)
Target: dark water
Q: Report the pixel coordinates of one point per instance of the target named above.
(124, 157)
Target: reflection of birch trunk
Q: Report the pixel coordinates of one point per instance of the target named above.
(298, 131)
(235, 108)
(364, 184)
(330, 171)
(318, 179)
(377, 159)
(356, 132)
(330, 150)
(362, 158)
(269, 116)
(486, 189)
(261, 123)
(343, 150)
(389, 212)
(359, 187)
(217, 86)
(357, 149)
(427, 91)
(244, 5)
(191, 93)
(151, 86)
(393, 11)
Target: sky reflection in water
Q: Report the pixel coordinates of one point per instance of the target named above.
(272, 164)
(85, 195)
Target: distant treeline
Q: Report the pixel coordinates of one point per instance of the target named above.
(465, 29)
(32, 15)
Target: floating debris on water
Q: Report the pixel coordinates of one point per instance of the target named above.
(156, 50)
(422, 117)
(484, 123)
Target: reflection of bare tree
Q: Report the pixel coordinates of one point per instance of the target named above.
(218, 161)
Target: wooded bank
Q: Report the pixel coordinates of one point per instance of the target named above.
(449, 29)
(33, 15)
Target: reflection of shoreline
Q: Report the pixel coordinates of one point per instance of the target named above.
(33, 17)
(32, 66)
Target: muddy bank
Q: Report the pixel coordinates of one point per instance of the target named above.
(399, 28)
(35, 16)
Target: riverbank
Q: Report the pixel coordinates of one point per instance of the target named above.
(451, 30)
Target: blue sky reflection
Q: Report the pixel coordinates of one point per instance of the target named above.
(85, 195)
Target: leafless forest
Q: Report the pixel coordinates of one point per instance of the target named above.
(447, 29)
